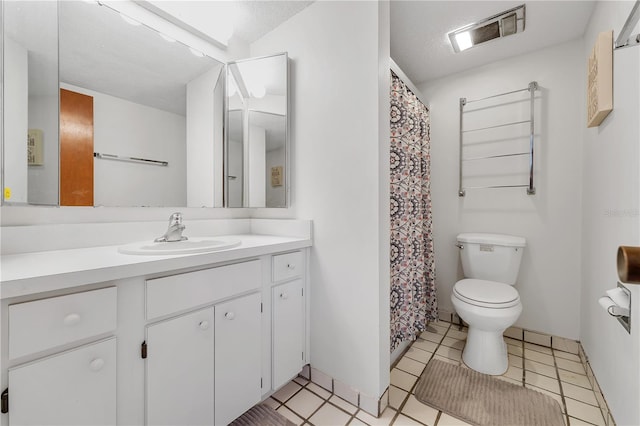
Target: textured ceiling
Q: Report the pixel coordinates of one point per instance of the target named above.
(103, 45)
(420, 46)
(256, 18)
(100, 51)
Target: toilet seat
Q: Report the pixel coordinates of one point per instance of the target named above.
(486, 294)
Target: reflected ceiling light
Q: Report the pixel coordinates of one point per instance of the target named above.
(167, 38)
(197, 53)
(129, 20)
(253, 76)
(497, 26)
(258, 91)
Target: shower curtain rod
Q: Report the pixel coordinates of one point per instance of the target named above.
(398, 71)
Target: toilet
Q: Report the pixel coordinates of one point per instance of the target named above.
(486, 299)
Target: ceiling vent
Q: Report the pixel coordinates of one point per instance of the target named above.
(501, 25)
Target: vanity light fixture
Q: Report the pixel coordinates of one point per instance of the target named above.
(504, 24)
(210, 20)
(135, 11)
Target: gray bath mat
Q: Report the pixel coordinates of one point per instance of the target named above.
(480, 399)
(262, 415)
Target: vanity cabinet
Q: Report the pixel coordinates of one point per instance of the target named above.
(194, 346)
(288, 317)
(70, 381)
(204, 367)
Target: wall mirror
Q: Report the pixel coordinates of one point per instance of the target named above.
(30, 102)
(257, 138)
(116, 114)
(140, 118)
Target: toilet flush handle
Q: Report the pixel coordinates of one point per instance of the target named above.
(460, 246)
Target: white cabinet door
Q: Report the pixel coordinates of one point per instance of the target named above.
(179, 388)
(238, 357)
(77, 387)
(288, 331)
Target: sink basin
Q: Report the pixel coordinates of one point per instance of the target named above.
(190, 246)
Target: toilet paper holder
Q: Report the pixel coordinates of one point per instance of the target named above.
(623, 319)
(628, 264)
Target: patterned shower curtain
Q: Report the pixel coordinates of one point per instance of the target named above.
(413, 291)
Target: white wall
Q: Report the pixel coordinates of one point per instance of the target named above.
(205, 140)
(549, 280)
(235, 167)
(16, 114)
(339, 136)
(128, 129)
(256, 174)
(43, 180)
(610, 204)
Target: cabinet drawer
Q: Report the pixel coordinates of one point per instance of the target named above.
(185, 291)
(287, 266)
(43, 324)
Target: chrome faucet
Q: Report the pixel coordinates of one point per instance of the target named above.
(174, 232)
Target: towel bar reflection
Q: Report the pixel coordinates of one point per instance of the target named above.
(531, 190)
(130, 159)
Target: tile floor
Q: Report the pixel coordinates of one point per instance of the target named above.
(553, 372)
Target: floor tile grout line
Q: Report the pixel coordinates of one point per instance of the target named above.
(284, 404)
(524, 377)
(445, 331)
(325, 401)
(584, 402)
(410, 392)
(584, 421)
(562, 397)
(438, 416)
(292, 395)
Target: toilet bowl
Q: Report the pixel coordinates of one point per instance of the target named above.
(489, 308)
(486, 299)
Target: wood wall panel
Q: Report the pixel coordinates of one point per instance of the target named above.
(76, 149)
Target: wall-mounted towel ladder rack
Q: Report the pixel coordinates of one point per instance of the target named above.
(531, 88)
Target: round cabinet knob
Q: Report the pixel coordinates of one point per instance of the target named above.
(96, 364)
(71, 319)
(291, 266)
(203, 325)
(284, 296)
(229, 315)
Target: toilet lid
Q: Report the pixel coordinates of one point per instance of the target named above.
(489, 294)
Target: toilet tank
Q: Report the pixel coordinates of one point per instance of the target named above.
(493, 257)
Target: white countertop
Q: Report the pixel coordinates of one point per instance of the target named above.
(30, 273)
